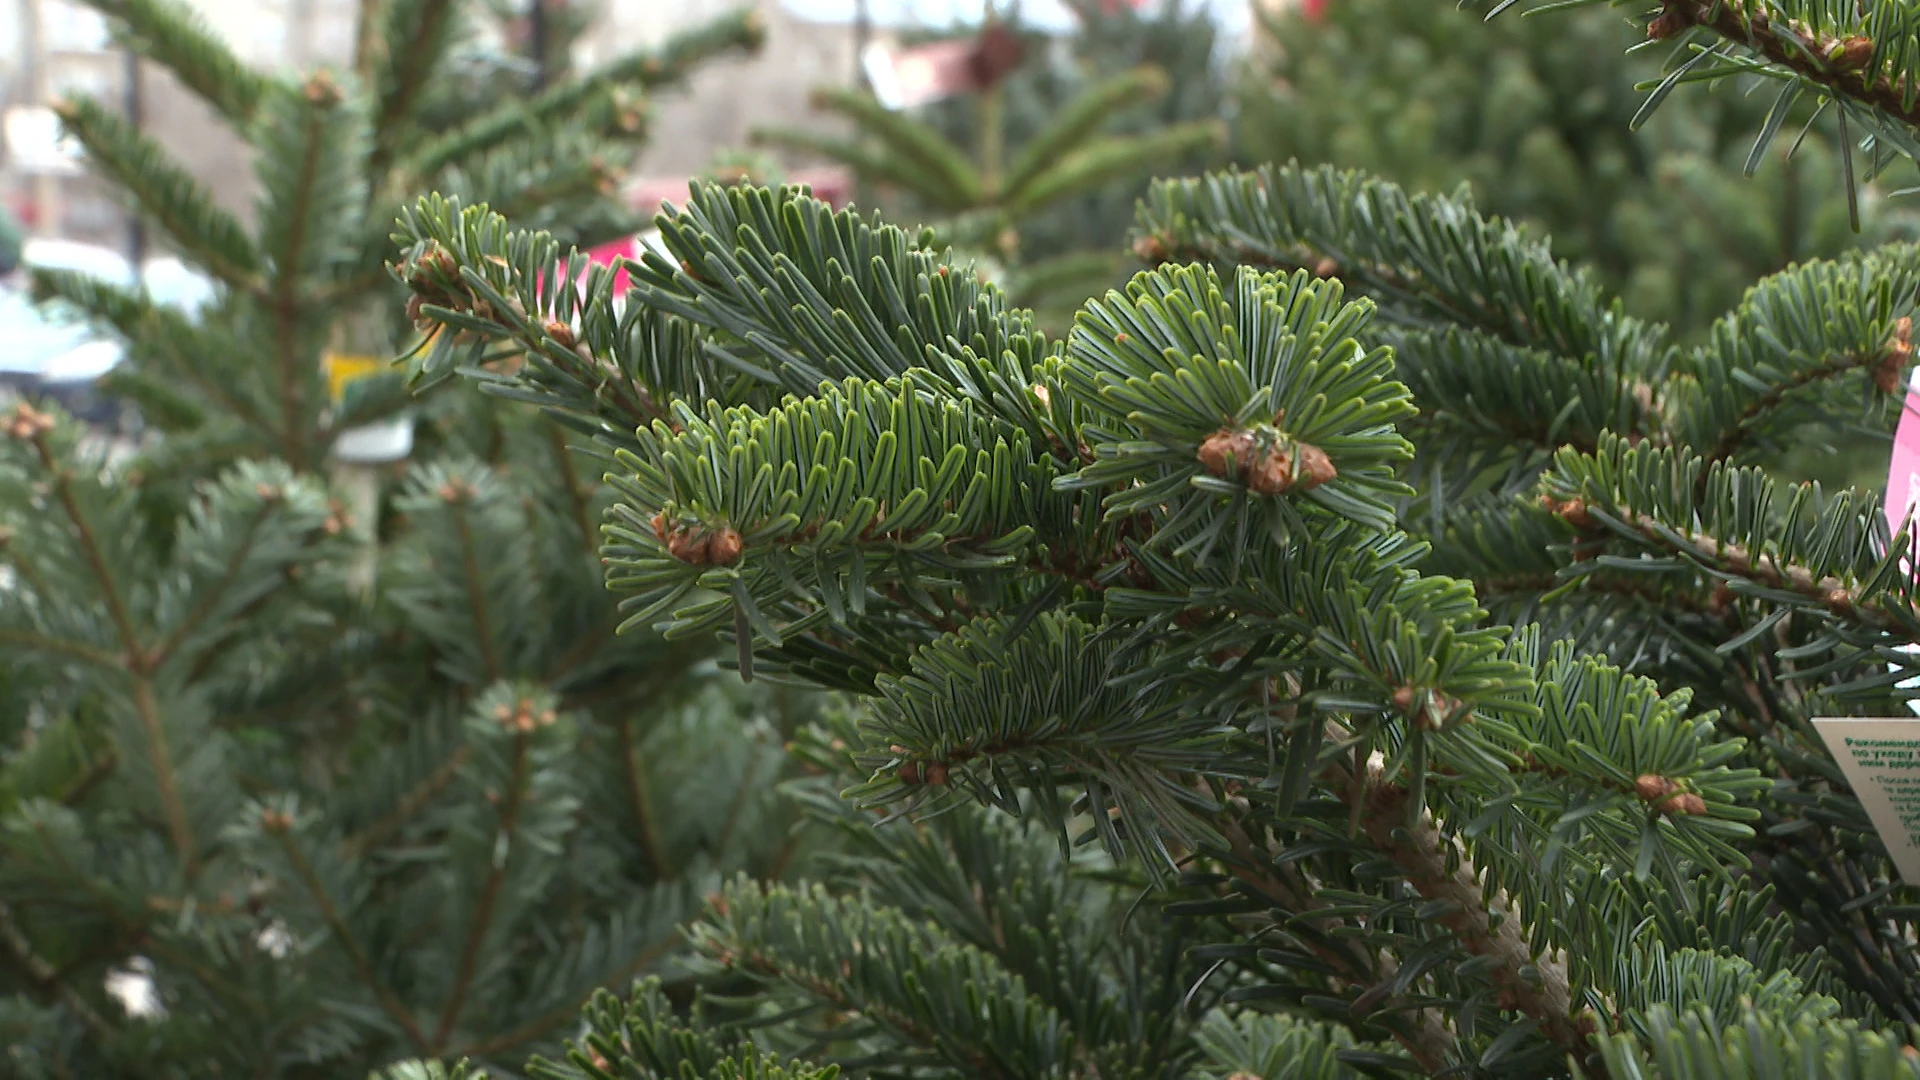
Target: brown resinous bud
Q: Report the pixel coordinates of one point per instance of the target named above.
(1664, 794)
(1653, 788)
(1853, 53)
(522, 718)
(697, 546)
(1429, 710)
(1574, 512)
(1226, 452)
(1272, 469)
(27, 423)
(438, 260)
(1685, 804)
(1894, 364)
(321, 91)
(1669, 23)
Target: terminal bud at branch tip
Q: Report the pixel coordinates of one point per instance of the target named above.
(1899, 350)
(697, 546)
(27, 423)
(1275, 468)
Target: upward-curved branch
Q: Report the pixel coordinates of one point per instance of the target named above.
(1835, 64)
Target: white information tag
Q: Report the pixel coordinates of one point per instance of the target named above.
(1881, 761)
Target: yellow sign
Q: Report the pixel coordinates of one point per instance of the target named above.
(343, 369)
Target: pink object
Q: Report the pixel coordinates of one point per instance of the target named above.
(605, 254)
(647, 196)
(1903, 470)
(1903, 492)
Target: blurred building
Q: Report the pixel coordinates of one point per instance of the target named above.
(724, 102)
(50, 48)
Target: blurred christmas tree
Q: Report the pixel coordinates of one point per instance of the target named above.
(1536, 116)
(316, 741)
(1176, 37)
(1031, 158)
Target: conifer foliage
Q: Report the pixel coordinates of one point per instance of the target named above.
(341, 791)
(1540, 117)
(1423, 634)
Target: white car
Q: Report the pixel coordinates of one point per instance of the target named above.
(51, 351)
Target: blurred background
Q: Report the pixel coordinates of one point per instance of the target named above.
(1533, 116)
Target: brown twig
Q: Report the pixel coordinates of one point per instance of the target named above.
(1802, 54)
(1485, 925)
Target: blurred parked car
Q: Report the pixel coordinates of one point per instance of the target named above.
(49, 351)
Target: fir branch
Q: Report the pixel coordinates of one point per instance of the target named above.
(1483, 921)
(539, 1025)
(1827, 593)
(1822, 60)
(869, 164)
(583, 649)
(1425, 1037)
(481, 920)
(475, 588)
(180, 204)
(132, 928)
(739, 31)
(173, 35)
(79, 650)
(652, 844)
(411, 54)
(282, 833)
(179, 825)
(314, 172)
(1101, 160)
(45, 980)
(138, 319)
(577, 494)
(135, 659)
(1429, 260)
(212, 593)
(414, 801)
(766, 965)
(1745, 423)
(83, 785)
(1080, 118)
(366, 36)
(944, 176)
